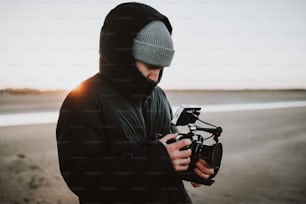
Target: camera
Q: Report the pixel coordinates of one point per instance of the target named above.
(200, 147)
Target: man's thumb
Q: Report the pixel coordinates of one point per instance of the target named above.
(168, 137)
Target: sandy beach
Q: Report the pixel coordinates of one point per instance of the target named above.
(263, 159)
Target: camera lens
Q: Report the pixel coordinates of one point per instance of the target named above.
(211, 154)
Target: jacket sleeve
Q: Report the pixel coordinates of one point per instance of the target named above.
(91, 171)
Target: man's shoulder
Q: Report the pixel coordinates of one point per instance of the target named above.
(89, 89)
(158, 91)
(159, 95)
(91, 86)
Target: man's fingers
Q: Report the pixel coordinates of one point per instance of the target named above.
(179, 154)
(204, 169)
(180, 144)
(184, 153)
(181, 167)
(168, 137)
(175, 145)
(180, 158)
(204, 163)
(183, 162)
(202, 175)
(196, 185)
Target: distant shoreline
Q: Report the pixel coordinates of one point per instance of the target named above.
(30, 91)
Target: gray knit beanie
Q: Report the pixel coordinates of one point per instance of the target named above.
(153, 45)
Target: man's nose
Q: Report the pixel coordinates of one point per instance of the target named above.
(154, 74)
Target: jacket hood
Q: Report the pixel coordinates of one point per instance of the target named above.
(117, 64)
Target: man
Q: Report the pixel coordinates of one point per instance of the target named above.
(106, 132)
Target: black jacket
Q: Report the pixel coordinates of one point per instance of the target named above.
(107, 126)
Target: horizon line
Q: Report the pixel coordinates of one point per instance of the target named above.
(42, 91)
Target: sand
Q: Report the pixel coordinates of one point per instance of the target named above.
(264, 158)
(264, 161)
(29, 171)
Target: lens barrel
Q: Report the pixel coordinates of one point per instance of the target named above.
(211, 154)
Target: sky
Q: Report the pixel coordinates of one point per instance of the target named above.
(219, 44)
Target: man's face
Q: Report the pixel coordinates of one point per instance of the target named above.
(148, 71)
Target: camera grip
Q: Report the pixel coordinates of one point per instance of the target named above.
(171, 141)
(191, 176)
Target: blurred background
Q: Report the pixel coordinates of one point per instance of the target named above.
(223, 44)
(242, 61)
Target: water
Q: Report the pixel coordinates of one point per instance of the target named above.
(51, 117)
(28, 118)
(249, 106)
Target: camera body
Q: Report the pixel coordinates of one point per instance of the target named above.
(211, 153)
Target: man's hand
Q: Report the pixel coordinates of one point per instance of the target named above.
(196, 185)
(180, 158)
(203, 170)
